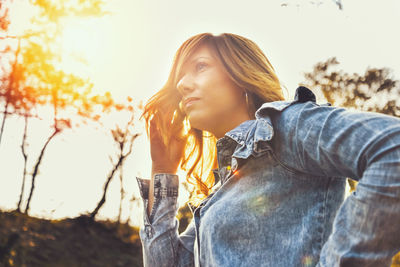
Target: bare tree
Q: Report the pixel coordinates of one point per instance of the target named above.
(9, 89)
(4, 18)
(299, 3)
(124, 138)
(376, 90)
(122, 194)
(25, 156)
(30, 80)
(132, 202)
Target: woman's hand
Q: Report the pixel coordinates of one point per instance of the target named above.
(165, 159)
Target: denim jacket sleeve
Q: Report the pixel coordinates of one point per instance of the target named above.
(365, 146)
(162, 246)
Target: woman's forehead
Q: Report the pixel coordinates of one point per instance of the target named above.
(201, 52)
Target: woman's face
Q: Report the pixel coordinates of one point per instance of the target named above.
(219, 105)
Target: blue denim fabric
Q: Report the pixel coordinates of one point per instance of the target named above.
(279, 193)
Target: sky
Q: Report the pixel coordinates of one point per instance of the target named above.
(130, 52)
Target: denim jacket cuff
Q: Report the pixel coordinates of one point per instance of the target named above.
(166, 187)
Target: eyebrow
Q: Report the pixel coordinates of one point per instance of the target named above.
(194, 60)
(186, 64)
(199, 58)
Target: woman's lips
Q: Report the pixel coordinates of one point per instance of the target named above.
(190, 102)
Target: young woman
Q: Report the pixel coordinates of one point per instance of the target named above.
(269, 175)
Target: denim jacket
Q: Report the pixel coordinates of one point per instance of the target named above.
(279, 197)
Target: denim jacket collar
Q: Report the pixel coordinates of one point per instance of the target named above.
(252, 136)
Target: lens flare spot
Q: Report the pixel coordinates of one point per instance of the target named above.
(307, 260)
(259, 205)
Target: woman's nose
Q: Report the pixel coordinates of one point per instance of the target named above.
(185, 85)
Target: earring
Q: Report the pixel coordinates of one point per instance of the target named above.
(247, 100)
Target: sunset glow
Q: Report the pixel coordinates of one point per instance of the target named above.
(82, 44)
(78, 45)
(129, 52)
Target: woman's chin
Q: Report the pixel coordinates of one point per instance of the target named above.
(196, 122)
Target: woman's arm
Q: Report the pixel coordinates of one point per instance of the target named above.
(365, 146)
(162, 246)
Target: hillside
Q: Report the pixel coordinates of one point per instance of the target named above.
(28, 241)
(32, 242)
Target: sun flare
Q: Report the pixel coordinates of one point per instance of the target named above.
(81, 44)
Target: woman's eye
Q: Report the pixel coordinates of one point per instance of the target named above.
(200, 66)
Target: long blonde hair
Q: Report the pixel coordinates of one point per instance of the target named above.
(246, 65)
